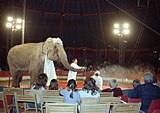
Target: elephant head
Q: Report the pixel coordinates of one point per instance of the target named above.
(53, 48)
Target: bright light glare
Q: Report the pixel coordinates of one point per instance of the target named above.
(116, 31)
(8, 25)
(10, 19)
(19, 20)
(116, 26)
(126, 31)
(18, 27)
(125, 25)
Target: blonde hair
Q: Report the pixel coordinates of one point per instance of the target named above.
(113, 83)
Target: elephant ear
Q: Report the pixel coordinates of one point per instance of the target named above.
(47, 44)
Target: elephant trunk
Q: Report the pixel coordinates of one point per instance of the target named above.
(63, 58)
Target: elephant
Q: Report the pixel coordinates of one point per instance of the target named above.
(29, 57)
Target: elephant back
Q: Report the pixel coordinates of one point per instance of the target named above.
(20, 55)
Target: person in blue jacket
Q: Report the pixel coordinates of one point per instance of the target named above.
(135, 83)
(147, 91)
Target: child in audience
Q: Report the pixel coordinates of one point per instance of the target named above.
(70, 94)
(53, 85)
(39, 85)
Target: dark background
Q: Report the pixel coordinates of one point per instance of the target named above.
(84, 23)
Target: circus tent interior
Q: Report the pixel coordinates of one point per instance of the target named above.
(86, 29)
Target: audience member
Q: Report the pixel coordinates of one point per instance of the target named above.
(155, 81)
(73, 74)
(70, 94)
(53, 85)
(39, 85)
(113, 88)
(135, 83)
(147, 91)
(89, 88)
(98, 79)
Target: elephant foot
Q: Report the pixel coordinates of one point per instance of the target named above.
(15, 84)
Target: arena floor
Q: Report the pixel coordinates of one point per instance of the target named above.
(62, 84)
(124, 81)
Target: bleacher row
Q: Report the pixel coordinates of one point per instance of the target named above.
(52, 102)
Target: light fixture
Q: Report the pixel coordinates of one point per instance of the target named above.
(8, 25)
(14, 24)
(19, 20)
(10, 19)
(126, 31)
(125, 25)
(18, 26)
(121, 29)
(116, 31)
(116, 25)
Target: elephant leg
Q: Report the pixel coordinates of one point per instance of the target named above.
(14, 80)
(33, 78)
(34, 71)
(19, 77)
(14, 77)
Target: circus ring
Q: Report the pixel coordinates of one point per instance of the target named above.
(124, 81)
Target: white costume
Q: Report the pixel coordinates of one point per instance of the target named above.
(49, 68)
(73, 74)
(98, 79)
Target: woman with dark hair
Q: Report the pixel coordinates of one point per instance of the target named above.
(39, 85)
(70, 94)
(89, 88)
(53, 85)
(40, 82)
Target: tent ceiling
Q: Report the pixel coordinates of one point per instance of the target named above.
(86, 23)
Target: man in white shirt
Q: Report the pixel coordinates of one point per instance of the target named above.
(98, 79)
(73, 74)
